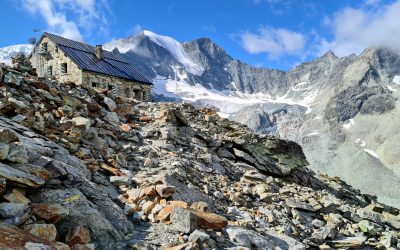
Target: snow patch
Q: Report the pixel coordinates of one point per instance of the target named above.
(372, 153)
(348, 124)
(228, 102)
(300, 86)
(360, 142)
(223, 115)
(396, 79)
(176, 49)
(313, 133)
(391, 88)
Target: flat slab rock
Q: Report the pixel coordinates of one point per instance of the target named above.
(247, 238)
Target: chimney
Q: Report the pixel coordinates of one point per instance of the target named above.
(99, 52)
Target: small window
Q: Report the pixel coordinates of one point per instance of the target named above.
(110, 87)
(56, 49)
(49, 70)
(44, 47)
(94, 84)
(64, 69)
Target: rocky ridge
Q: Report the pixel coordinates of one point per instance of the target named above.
(82, 170)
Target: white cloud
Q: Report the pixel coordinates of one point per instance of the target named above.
(275, 42)
(87, 15)
(354, 29)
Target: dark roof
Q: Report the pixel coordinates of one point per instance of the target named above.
(84, 56)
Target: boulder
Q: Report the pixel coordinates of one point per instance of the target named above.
(185, 220)
(43, 231)
(4, 149)
(8, 136)
(17, 153)
(120, 180)
(8, 209)
(299, 205)
(82, 123)
(16, 196)
(78, 235)
(51, 213)
(105, 219)
(165, 191)
(210, 220)
(110, 103)
(247, 238)
(198, 236)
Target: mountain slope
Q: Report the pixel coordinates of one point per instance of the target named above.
(315, 103)
(7, 52)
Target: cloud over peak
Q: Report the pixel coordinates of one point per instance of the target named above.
(355, 29)
(275, 42)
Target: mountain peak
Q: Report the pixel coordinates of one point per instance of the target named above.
(329, 55)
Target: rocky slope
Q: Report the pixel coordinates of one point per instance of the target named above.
(80, 170)
(342, 111)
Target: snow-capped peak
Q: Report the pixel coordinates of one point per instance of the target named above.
(7, 52)
(176, 49)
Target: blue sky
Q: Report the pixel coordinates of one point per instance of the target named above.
(265, 33)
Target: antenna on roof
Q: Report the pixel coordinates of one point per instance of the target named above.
(35, 31)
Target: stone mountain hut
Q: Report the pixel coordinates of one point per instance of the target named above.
(71, 61)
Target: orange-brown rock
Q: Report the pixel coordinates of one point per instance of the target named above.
(135, 195)
(12, 237)
(44, 231)
(16, 196)
(51, 213)
(111, 170)
(78, 235)
(165, 213)
(40, 85)
(125, 127)
(146, 118)
(181, 204)
(149, 191)
(210, 220)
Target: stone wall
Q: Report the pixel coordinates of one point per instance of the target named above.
(125, 88)
(55, 58)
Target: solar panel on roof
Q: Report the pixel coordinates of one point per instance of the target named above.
(112, 64)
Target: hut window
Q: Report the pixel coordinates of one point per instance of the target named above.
(146, 96)
(94, 84)
(64, 68)
(44, 47)
(49, 70)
